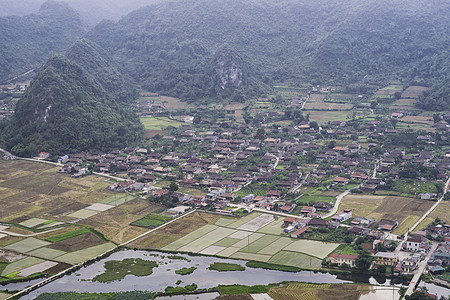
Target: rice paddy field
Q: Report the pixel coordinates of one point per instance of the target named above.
(256, 237)
(51, 221)
(159, 123)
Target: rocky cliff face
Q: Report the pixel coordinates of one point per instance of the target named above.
(228, 69)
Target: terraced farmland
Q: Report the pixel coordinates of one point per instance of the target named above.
(256, 237)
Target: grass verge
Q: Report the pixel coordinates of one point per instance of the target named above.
(269, 266)
(225, 267)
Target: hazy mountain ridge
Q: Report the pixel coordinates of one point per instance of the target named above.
(97, 63)
(325, 42)
(92, 12)
(28, 41)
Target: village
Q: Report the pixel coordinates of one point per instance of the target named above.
(320, 178)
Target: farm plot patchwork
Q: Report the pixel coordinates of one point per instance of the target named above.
(313, 248)
(316, 102)
(402, 209)
(85, 254)
(20, 265)
(239, 240)
(26, 245)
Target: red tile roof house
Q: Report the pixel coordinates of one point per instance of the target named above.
(291, 221)
(341, 259)
(387, 225)
(341, 180)
(160, 192)
(299, 232)
(287, 208)
(273, 194)
(306, 210)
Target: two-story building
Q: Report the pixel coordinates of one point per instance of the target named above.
(386, 258)
(340, 259)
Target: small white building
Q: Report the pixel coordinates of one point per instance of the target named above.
(413, 243)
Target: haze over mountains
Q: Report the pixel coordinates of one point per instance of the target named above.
(92, 12)
(203, 50)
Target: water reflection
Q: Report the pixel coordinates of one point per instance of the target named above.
(164, 275)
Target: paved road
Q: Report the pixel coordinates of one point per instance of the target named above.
(264, 210)
(338, 201)
(275, 165)
(157, 228)
(27, 235)
(420, 270)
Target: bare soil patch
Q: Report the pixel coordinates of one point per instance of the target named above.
(58, 268)
(115, 223)
(413, 91)
(398, 208)
(77, 243)
(67, 206)
(10, 256)
(418, 119)
(148, 134)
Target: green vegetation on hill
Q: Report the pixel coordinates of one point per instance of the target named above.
(65, 110)
(436, 98)
(27, 42)
(172, 47)
(97, 63)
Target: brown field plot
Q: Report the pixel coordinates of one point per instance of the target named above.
(316, 102)
(362, 205)
(173, 103)
(442, 211)
(175, 230)
(77, 243)
(402, 209)
(413, 91)
(403, 104)
(324, 117)
(418, 119)
(41, 192)
(115, 222)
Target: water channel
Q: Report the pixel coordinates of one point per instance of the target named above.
(164, 275)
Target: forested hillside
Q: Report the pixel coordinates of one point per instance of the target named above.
(97, 63)
(66, 110)
(170, 47)
(27, 42)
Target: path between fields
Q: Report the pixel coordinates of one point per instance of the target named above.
(157, 228)
(28, 235)
(338, 201)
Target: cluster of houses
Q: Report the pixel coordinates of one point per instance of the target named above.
(440, 259)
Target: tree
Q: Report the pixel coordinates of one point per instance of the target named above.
(173, 187)
(394, 122)
(314, 125)
(381, 270)
(260, 133)
(363, 261)
(331, 144)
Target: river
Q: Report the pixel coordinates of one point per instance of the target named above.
(164, 275)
